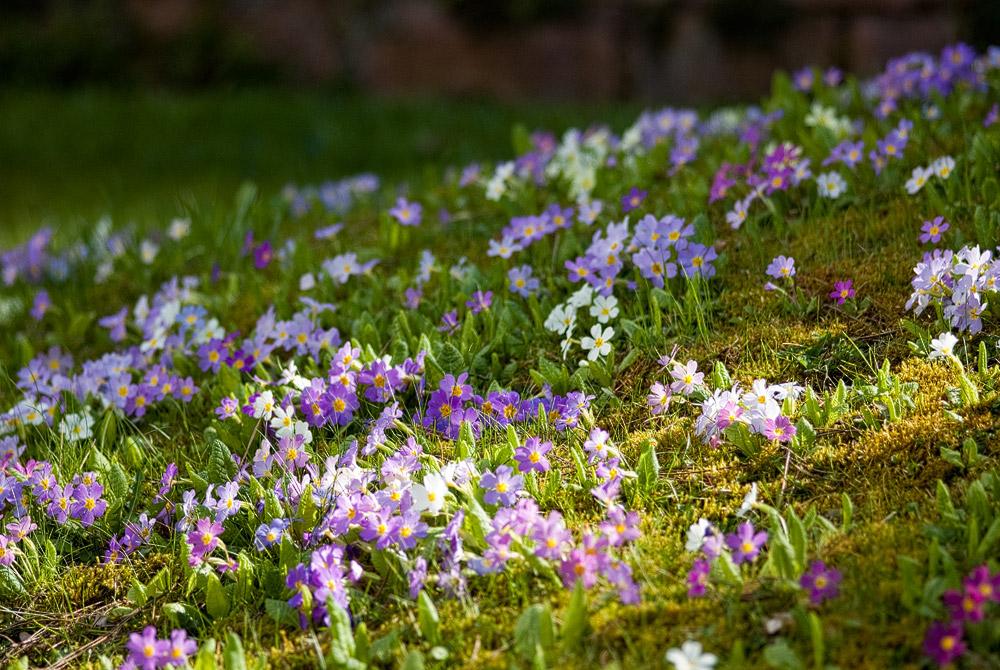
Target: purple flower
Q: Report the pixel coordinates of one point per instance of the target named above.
(697, 578)
(531, 455)
(821, 582)
(262, 255)
(780, 429)
(87, 503)
(580, 564)
(842, 291)
(501, 487)
(632, 199)
(145, 650)
(480, 301)
(933, 229)
(746, 543)
(411, 297)
(449, 322)
(943, 642)
(620, 527)
(982, 581)
(204, 538)
(41, 305)
(686, 378)
(6, 551)
(521, 281)
(782, 267)
(550, 536)
(407, 528)
(964, 605)
(658, 399)
(418, 576)
(180, 647)
(116, 323)
(407, 213)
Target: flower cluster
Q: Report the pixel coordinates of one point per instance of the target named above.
(957, 283)
(967, 607)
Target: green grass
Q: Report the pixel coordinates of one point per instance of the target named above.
(73, 157)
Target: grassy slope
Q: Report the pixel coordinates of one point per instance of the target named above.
(889, 474)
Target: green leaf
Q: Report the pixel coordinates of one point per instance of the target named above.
(720, 376)
(782, 657)
(816, 635)
(414, 660)
(430, 622)
(576, 620)
(450, 359)
(183, 616)
(232, 654)
(648, 468)
(220, 459)
(797, 537)
(206, 656)
(342, 642)
(384, 648)
(533, 630)
(216, 600)
(847, 511)
(281, 611)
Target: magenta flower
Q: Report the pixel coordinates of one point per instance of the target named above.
(943, 642)
(262, 255)
(746, 543)
(842, 291)
(932, 230)
(821, 582)
(632, 199)
(964, 605)
(780, 429)
(697, 578)
(204, 538)
(982, 581)
(580, 564)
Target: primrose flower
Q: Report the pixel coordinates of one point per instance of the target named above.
(842, 291)
(831, 185)
(918, 178)
(146, 651)
(76, 427)
(87, 503)
(745, 543)
(502, 486)
(691, 656)
(821, 582)
(41, 305)
(521, 281)
(964, 605)
(779, 428)
(943, 166)
(686, 378)
(782, 267)
(429, 495)
(531, 455)
(943, 642)
(204, 538)
(933, 229)
(598, 343)
(604, 308)
(658, 399)
(943, 346)
(407, 213)
(632, 199)
(179, 648)
(480, 301)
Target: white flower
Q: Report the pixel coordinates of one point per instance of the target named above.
(943, 346)
(919, 177)
(749, 501)
(831, 185)
(582, 297)
(340, 268)
(691, 657)
(179, 229)
(943, 166)
(604, 309)
(697, 533)
(599, 343)
(504, 248)
(147, 251)
(307, 282)
(430, 495)
(263, 406)
(76, 426)
(561, 319)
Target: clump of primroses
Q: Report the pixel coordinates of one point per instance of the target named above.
(970, 608)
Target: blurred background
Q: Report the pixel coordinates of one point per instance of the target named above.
(107, 105)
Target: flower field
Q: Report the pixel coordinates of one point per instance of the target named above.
(711, 390)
